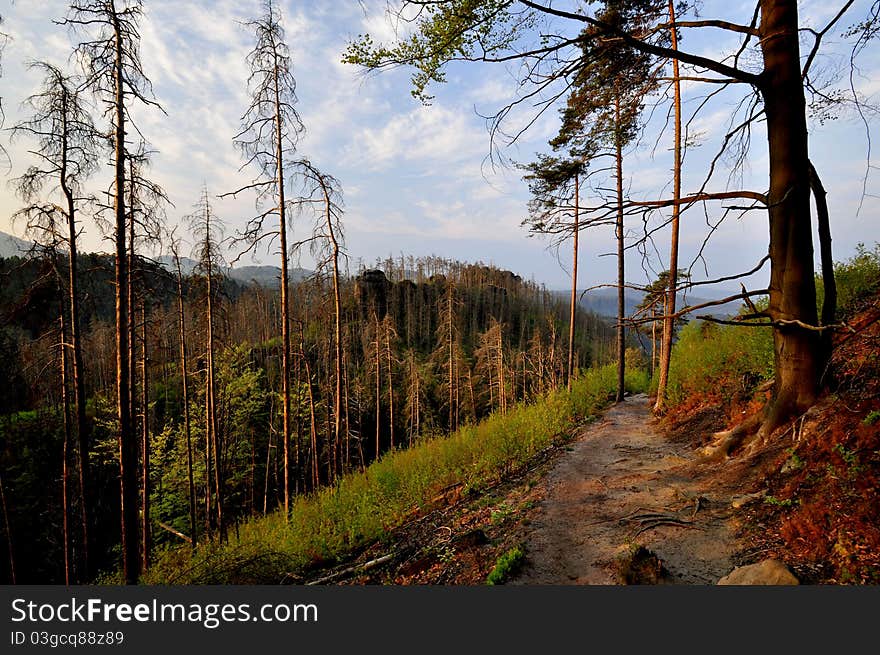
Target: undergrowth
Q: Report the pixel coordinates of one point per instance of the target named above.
(363, 508)
(728, 360)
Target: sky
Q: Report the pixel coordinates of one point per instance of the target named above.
(416, 179)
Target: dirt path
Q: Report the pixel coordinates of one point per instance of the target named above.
(602, 497)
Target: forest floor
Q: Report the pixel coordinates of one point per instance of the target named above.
(623, 502)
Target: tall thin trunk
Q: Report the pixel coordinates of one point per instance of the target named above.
(65, 452)
(337, 328)
(285, 291)
(127, 442)
(184, 377)
(146, 541)
(8, 530)
(390, 383)
(668, 320)
(211, 400)
(621, 306)
(378, 364)
(76, 344)
(574, 274)
(313, 423)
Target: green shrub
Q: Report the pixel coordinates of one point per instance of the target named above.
(723, 358)
(506, 566)
(856, 278)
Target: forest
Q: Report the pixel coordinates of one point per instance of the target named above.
(164, 421)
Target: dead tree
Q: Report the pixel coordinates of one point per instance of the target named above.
(110, 56)
(271, 128)
(67, 149)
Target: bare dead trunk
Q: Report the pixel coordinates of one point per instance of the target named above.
(146, 540)
(668, 320)
(574, 275)
(378, 364)
(211, 401)
(621, 303)
(76, 344)
(127, 443)
(285, 292)
(65, 452)
(184, 377)
(390, 384)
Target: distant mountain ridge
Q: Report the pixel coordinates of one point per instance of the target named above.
(604, 302)
(12, 246)
(265, 276)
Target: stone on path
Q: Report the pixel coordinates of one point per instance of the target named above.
(768, 572)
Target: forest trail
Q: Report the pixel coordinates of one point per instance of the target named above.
(623, 483)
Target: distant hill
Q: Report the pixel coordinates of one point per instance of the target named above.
(264, 276)
(604, 302)
(12, 246)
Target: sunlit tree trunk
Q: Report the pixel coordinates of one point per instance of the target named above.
(669, 320)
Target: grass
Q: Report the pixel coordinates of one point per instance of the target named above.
(363, 508)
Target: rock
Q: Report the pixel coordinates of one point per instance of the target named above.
(739, 501)
(768, 572)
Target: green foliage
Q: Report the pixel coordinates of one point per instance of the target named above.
(779, 502)
(857, 278)
(363, 507)
(458, 29)
(871, 417)
(506, 566)
(727, 359)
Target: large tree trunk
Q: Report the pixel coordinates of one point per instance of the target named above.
(668, 320)
(797, 352)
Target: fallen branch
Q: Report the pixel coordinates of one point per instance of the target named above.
(177, 533)
(366, 566)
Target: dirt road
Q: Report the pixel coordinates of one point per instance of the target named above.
(622, 484)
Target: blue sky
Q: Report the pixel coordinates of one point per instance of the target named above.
(415, 178)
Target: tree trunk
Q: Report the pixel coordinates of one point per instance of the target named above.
(798, 353)
(337, 329)
(127, 443)
(285, 293)
(181, 318)
(65, 451)
(211, 399)
(621, 303)
(574, 275)
(146, 541)
(76, 344)
(668, 320)
(829, 284)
